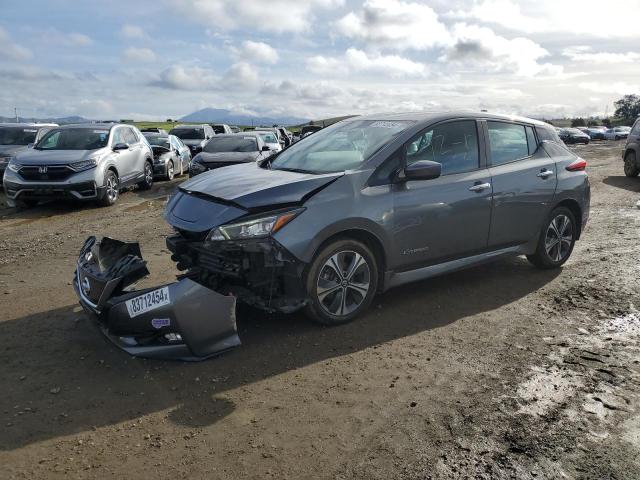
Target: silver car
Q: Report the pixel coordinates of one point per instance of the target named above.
(80, 162)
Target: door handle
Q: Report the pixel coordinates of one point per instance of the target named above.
(545, 173)
(478, 187)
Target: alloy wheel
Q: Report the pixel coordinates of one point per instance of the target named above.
(112, 188)
(559, 238)
(148, 173)
(343, 283)
(170, 171)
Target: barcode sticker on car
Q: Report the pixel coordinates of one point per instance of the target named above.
(148, 301)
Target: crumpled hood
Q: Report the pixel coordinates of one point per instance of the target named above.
(31, 156)
(251, 186)
(231, 157)
(10, 150)
(219, 196)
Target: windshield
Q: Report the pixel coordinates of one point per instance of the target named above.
(74, 139)
(343, 146)
(231, 144)
(269, 137)
(17, 135)
(158, 141)
(188, 133)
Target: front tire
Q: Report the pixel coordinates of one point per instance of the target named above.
(631, 165)
(341, 282)
(111, 190)
(557, 240)
(170, 170)
(147, 182)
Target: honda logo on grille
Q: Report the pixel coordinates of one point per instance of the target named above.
(42, 169)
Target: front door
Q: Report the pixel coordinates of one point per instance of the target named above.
(447, 217)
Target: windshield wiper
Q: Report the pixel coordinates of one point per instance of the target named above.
(295, 170)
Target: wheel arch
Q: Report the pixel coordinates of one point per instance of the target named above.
(366, 237)
(575, 208)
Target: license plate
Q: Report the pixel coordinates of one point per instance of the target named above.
(148, 301)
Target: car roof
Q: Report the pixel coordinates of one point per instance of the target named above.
(446, 115)
(28, 124)
(103, 126)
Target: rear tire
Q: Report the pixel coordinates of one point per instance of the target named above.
(111, 190)
(631, 165)
(147, 183)
(556, 241)
(341, 282)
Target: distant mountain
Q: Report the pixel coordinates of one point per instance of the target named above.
(217, 115)
(59, 121)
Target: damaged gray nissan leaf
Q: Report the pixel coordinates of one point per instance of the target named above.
(359, 207)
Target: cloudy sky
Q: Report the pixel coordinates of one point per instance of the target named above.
(316, 58)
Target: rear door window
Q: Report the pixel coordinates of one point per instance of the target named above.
(508, 142)
(130, 137)
(452, 144)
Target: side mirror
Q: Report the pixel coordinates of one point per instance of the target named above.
(30, 145)
(423, 170)
(120, 146)
(266, 148)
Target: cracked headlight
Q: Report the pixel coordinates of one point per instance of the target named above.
(254, 228)
(14, 167)
(83, 165)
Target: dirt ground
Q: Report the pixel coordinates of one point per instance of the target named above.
(501, 371)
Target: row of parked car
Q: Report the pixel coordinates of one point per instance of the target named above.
(96, 161)
(586, 134)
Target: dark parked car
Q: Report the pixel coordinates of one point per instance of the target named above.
(631, 154)
(225, 150)
(193, 136)
(15, 137)
(596, 133)
(573, 135)
(170, 156)
(365, 205)
(154, 130)
(309, 129)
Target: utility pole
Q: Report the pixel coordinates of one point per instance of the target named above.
(15, 111)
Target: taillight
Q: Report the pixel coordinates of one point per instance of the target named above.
(577, 166)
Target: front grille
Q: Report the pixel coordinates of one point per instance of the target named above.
(38, 173)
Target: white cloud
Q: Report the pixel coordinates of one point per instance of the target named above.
(584, 53)
(480, 46)
(274, 16)
(583, 17)
(177, 77)
(67, 39)
(132, 31)
(10, 50)
(358, 61)
(258, 52)
(394, 24)
(619, 88)
(135, 54)
(241, 75)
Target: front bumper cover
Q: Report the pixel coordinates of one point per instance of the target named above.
(190, 322)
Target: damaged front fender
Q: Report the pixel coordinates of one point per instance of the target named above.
(182, 320)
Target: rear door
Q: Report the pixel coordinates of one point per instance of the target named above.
(524, 181)
(137, 150)
(447, 217)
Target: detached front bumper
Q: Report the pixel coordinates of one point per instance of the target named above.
(182, 320)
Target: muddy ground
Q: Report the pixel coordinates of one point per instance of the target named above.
(501, 371)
